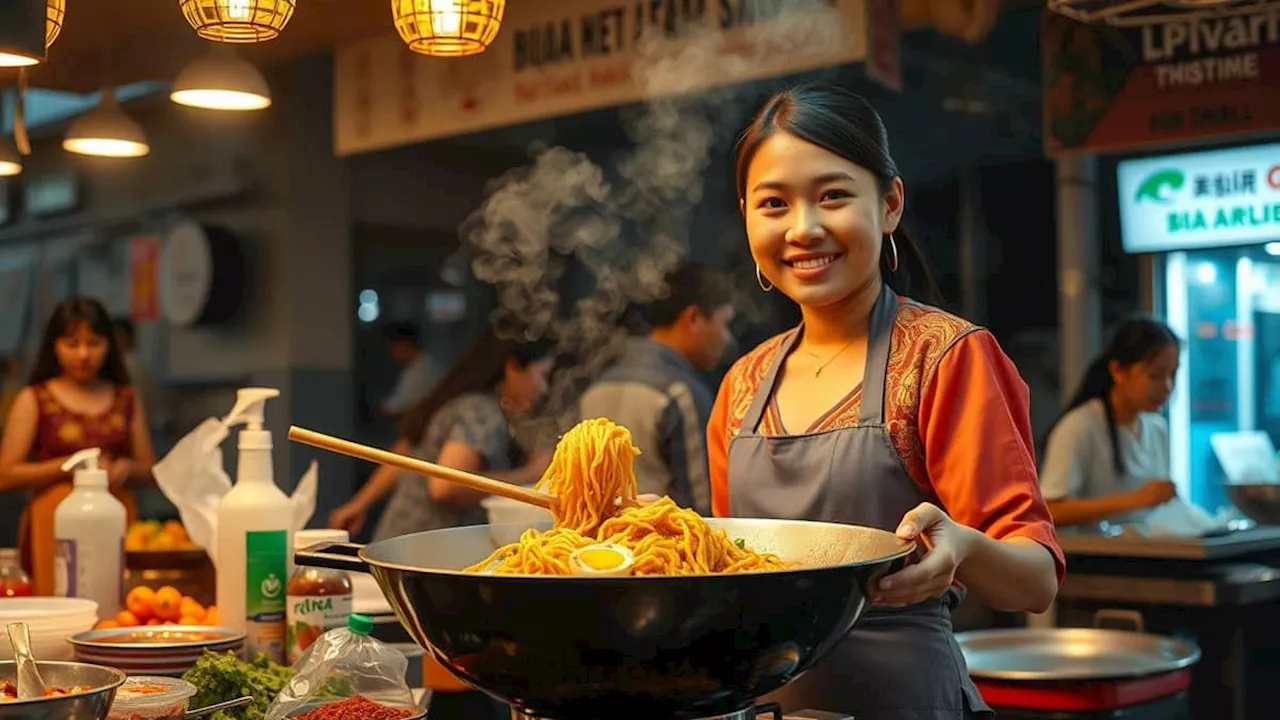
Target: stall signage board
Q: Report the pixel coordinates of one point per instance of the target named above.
(570, 56)
(1197, 200)
(1110, 89)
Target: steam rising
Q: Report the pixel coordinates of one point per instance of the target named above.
(537, 221)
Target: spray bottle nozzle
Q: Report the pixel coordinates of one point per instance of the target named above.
(88, 456)
(249, 408)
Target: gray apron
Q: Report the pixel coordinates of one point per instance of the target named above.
(896, 664)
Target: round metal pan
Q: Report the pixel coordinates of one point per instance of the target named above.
(628, 647)
(1071, 654)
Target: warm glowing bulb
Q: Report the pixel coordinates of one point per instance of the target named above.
(212, 99)
(105, 147)
(446, 20)
(239, 9)
(9, 169)
(14, 60)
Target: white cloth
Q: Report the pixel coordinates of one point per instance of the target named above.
(1078, 461)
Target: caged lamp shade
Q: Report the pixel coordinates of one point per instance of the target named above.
(448, 28)
(238, 21)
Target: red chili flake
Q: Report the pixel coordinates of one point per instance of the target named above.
(357, 707)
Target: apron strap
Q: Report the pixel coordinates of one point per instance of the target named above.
(880, 335)
(751, 421)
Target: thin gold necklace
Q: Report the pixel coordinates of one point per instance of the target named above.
(818, 371)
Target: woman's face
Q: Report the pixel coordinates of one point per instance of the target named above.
(815, 221)
(1146, 385)
(81, 353)
(525, 386)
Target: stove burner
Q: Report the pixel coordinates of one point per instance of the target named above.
(759, 712)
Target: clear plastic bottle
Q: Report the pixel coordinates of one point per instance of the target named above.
(14, 581)
(319, 600)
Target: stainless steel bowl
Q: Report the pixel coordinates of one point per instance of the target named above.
(91, 705)
(1259, 501)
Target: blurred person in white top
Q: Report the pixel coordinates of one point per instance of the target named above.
(1107, 456)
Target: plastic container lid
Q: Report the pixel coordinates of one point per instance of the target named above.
(360, 624)
(304, 539)
(151, 697)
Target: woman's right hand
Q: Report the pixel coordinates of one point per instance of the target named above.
(1154, 493)
(349, 517)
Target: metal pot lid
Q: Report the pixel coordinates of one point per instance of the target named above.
(1058, 654)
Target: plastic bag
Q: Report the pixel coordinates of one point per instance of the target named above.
(342, 664)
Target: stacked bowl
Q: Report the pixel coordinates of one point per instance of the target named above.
(51, 621)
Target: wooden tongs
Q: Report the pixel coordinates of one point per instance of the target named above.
(422, 467)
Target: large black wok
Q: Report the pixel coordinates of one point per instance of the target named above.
(659, 648)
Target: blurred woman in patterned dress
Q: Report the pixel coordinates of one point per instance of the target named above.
(78, 396)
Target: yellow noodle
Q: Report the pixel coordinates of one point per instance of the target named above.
(592, 475)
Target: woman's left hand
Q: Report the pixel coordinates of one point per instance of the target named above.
(946, 544)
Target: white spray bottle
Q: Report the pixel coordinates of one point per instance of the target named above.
(89, 527)
(255, 525)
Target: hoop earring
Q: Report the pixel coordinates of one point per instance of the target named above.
(763, 282)
(893, 254)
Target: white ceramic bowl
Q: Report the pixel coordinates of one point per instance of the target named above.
(509, 518)
(50, 621)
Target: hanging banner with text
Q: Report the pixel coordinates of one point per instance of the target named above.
(570, 56)
(1111, 89)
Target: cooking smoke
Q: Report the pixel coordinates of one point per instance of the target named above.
(539, 221)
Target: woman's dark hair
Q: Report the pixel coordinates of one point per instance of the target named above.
(1139, 338)
(480, 367)
(66, 317)
(845, 124)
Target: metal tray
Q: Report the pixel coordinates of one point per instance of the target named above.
(1072, 654)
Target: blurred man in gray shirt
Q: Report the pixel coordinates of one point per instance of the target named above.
(656, 391)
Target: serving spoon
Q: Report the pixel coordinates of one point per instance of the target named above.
(30, 684)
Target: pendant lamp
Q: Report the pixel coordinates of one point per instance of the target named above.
(55, 15)
(221, 80)
(22, 33)
(10, 161)
(106, 131)
(448, 28)
(238, 21)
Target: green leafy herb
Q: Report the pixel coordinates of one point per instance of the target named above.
(742, 544)
(223, 676)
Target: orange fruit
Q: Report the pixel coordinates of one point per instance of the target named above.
(190, 620)
(192, 609)
(154, 622)
(126, 619)
(211, 615)
(168, 603)
(107, 625)
(141, 602)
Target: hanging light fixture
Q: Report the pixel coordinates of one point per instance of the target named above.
(448, 28)
(22, 33)
(55, 14)
(10, 161)
(106, 131)
(221, 80)
(238, 21)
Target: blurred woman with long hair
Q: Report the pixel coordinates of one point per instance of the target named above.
(1107, 456)
(465, 423)
(78, 396)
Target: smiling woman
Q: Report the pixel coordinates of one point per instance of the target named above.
(929, 432)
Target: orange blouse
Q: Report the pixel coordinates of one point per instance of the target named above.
(958, 413)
